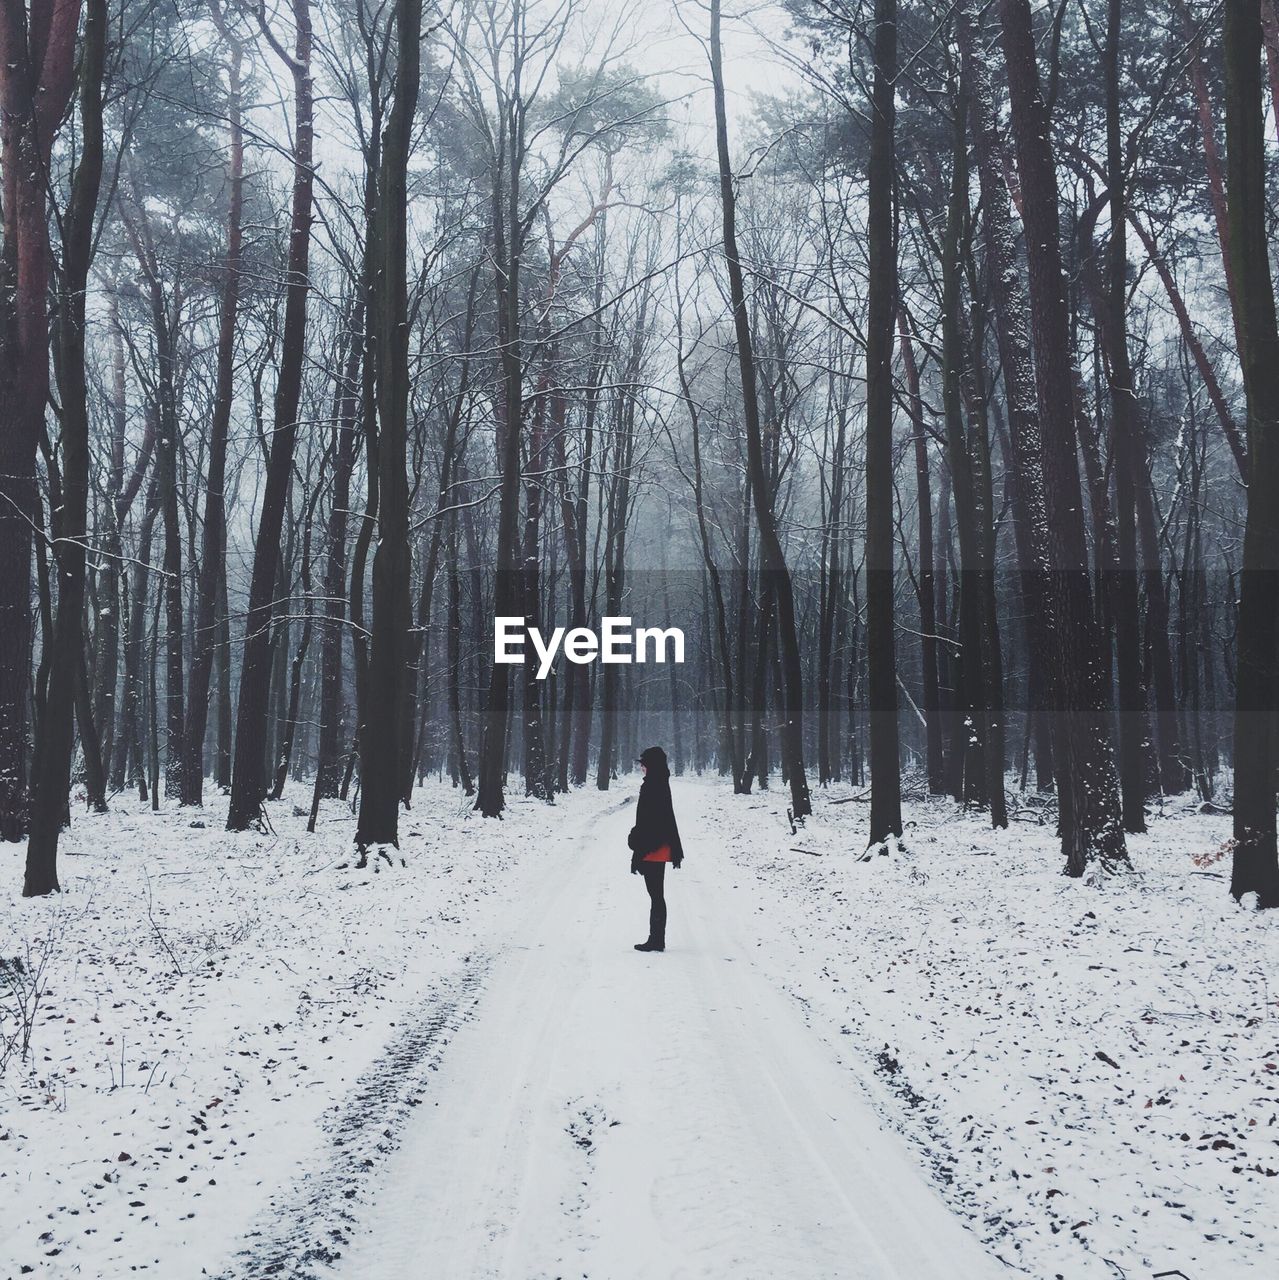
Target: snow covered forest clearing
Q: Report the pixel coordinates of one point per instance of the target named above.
(246, 1056)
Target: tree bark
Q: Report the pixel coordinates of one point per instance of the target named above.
(618, 510)
(971, 721)
(52, 764)
(508, 239)
(1256, 862)
(1091, 811)
(248, 778)
(455, 662)
(1126, 453)
(107, 638)
(772, 556)
(37, 72)
(927, 578)
(885, 767)
(289, 721)
(977, 400)
(130, 743)
(212, 565)
(382, 742)
(328, 767)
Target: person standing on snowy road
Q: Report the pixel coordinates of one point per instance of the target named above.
(654, 842)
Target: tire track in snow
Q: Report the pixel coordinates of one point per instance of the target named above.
(308, 1226)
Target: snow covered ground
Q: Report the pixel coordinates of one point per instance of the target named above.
(220, 1011)
(1092, 1073)
(250, 1059)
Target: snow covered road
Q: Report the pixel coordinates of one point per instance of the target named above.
(609, 1114)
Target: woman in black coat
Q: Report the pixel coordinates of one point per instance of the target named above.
(655, 842)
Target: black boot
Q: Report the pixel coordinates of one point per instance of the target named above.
(654, 882)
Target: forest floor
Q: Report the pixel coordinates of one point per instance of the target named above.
(251, 1059)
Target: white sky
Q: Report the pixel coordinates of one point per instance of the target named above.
(671, 45)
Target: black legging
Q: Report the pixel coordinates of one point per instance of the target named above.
(654, 874)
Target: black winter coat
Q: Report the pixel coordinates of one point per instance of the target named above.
(654, 821)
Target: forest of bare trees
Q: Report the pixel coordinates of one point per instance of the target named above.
(931, 387)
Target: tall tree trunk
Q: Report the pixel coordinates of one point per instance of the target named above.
(1174, 776)
(1091, 812)
(328, 767)
(552, 403)
(165, 318)
(508, 239)
(757, 760)
(222, 752)
(676, 677)
(455, 661)
(284, 750)
(416, 703)
(576, 676)
(970, 739)
(106, 673)
(383, 741)
(129, 743)
(575, 511)
(885, 768)
(166, 462)
(1127, 456)
(992, 659)
(927, 578)
(536, 771)
(618, 509)
(1256, 862)
(712, 586)
(772, 557)
(95, 778)
(153, 704)
(832, 584)
(1040, 585)
(52, 763)
(478, 692)
(248, 778)
(369, 429)
(37, 72)
(212, 565)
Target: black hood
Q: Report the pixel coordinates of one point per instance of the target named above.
(654, 760)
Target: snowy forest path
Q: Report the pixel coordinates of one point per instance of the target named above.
(610, 1114)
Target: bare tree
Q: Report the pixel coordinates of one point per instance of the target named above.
(1085, 761)
(212, 561)
(51, 771)
(37, 74)
(248, 780)
(1256, 860)
(885, 767)
(774, 558)
(383, 740)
